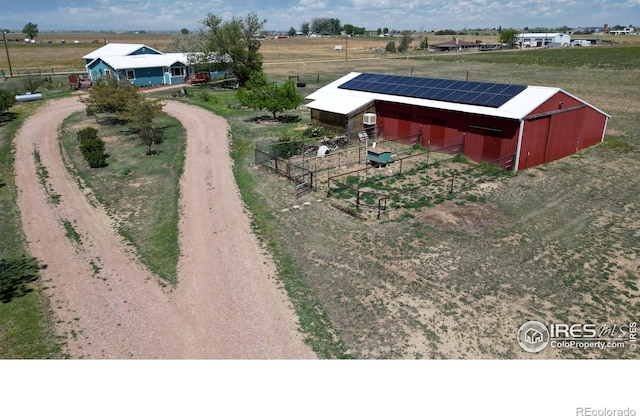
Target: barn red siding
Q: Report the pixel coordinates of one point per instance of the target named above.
(558, 128)
(482, 138)
(593, 125)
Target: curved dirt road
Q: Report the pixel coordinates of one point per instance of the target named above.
(108, 305)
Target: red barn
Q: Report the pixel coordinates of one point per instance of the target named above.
(513, 126)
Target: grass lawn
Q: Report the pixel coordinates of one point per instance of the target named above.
(26, 320)
(139, 191)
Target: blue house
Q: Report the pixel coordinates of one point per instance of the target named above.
(139, 64)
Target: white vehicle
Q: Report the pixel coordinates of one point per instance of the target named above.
(337, 48)
(580, 42)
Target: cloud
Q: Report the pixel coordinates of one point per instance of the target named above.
(281, 15)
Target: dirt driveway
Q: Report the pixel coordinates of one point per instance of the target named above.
(227, 303)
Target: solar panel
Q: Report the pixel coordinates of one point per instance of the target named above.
(486, 94)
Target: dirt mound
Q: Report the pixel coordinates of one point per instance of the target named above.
(470, 217)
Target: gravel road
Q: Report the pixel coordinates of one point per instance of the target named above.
(227, 304)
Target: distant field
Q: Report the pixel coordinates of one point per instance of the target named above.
(59, 57)
(66, 57)
(56, 57)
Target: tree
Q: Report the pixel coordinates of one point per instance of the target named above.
(305, 28)
(141, 111)
(236, 39)
(508, 36)
(109, 95)
(184, 31)
(292, 31)
(348, 28)
(424, 44)
(407, 38)
(30, 30)
(32, 81)
(379, 31)
(7, 99)
(326, 26)
(264, 95)
(391, 47)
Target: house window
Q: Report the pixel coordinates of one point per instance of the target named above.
(165, 69)
(107, 72)
(177, 71)
(131, 74)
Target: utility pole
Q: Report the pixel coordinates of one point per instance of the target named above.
(4, 35)
(346, 45)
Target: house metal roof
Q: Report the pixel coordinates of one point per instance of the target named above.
(117, 49)
(341, 101)
(540, 35)
(144, 61)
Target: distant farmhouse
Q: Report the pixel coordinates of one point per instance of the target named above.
(455, 45)
(141, 65)
(543, 40)
(511, 126)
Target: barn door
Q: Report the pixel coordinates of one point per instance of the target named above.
(534, 142)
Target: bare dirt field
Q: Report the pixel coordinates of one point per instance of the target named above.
(227, 304)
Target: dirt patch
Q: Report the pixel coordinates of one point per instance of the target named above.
(469, 217)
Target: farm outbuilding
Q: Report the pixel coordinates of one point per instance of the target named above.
(455, 45)
(541, 40)
(512, 126)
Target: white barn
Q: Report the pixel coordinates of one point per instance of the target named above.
(541, 40)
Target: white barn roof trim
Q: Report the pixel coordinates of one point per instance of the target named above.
(340, 101)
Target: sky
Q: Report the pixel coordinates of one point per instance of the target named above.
(174, 15)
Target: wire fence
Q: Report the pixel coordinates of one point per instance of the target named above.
(426, 184)
(415, 176)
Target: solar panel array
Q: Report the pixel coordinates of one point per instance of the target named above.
(485, 94)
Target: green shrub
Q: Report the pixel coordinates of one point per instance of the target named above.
(205, 95)
(88, 133)
(287, 146)
(92, 147)
(7, 99)
(460, 158)
(314, 132)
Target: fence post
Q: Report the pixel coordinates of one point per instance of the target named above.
(453, 177)
(358, 198)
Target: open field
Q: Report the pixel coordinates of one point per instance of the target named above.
(558, 243)
(56, 57)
